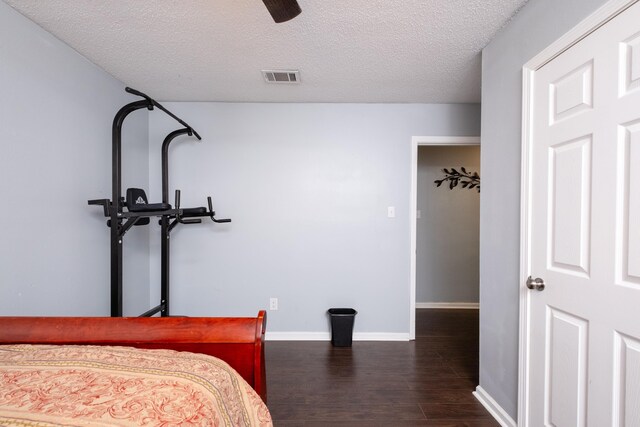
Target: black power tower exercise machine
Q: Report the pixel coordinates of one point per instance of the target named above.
(139, 210)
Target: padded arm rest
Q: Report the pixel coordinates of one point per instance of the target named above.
(190, 212)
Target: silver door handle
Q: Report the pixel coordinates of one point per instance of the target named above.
(537, 283)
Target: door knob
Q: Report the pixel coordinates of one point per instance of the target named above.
(537, 283)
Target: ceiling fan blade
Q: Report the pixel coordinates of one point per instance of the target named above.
(282, 10)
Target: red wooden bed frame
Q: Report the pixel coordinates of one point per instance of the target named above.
(239, 341)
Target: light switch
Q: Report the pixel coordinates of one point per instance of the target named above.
(418, 214)
(391, 212)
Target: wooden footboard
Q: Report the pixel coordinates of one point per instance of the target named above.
(239, 341)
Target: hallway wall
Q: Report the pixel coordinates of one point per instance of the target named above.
(448, 230)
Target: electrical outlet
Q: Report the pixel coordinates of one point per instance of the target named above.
(273, 303)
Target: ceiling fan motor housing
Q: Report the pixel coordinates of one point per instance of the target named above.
(282, 10)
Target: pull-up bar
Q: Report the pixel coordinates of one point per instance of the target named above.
(155, 103)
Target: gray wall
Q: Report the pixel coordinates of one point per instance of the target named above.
(538, 24)
(307, 187)
(448, 234)
(56, 110)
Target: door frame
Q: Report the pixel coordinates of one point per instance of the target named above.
(420, 141)
(590, 24)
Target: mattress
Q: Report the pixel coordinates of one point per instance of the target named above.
(44, 385)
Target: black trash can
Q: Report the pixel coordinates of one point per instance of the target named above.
(342, 326)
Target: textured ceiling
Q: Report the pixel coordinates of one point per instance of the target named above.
(346, 50)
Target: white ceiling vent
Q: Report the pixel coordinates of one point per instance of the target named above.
(281, 76)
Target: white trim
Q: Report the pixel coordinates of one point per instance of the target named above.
(297, 336)
(494, 409)
(525, 242)
(381, 336)
(326, 336)
(413, 221)
(451, 305)
(594, 21)
(446, 140)
(413, 206)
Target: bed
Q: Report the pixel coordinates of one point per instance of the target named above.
(132, 371)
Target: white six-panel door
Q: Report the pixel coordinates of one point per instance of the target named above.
(584, 348)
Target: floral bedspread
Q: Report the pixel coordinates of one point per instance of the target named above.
(43, 385)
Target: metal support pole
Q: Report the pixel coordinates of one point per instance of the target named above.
(116, 203)
(165, 229)
(165, 160)
(164, 265)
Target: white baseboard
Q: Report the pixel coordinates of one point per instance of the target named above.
(494, 409)
(326, 336)
(297, 336)
(456, 305)
(380, 336)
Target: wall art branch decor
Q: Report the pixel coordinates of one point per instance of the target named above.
(463, 178)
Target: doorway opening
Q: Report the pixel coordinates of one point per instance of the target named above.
(440, 287)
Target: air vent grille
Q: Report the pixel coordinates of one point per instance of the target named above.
(281, 76)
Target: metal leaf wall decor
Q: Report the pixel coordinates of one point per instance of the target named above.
(463, 178)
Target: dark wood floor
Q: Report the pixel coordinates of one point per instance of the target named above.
(427, 382)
